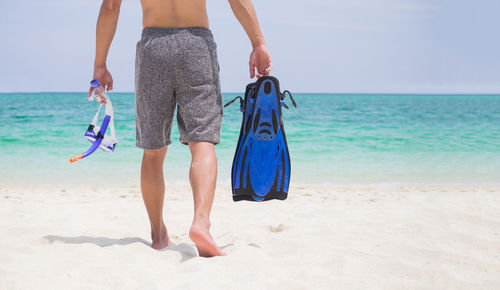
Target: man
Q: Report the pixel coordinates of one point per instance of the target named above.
(176, 65)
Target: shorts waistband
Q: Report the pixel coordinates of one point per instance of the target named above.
(164, 31)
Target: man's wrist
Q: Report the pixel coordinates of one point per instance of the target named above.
(99, 64)
(258, 41)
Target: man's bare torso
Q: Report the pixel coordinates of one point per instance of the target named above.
(174, 13)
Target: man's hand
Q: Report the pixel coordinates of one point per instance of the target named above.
(260, 59)
(104, 77)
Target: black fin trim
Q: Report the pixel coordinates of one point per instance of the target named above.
(275, 123)
(256, 121)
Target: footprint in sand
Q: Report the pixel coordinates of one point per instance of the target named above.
(277, 229)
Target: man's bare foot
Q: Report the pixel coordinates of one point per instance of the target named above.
(205, 244)
(162, 240)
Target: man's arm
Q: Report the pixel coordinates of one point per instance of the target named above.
(260, 58)
(105, 31)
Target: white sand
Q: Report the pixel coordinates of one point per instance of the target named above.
(322, 237)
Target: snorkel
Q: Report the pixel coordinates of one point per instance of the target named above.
(97, 134)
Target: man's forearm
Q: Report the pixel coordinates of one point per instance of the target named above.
(105, 30)
(245, 13)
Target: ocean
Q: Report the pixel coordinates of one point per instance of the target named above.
(333, 139)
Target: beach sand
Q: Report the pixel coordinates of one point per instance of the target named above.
(322, 237)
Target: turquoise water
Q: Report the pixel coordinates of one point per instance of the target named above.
(344, 139)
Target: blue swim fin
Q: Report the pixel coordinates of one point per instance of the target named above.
(261, 165)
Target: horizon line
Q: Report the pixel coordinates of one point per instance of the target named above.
(299, 93)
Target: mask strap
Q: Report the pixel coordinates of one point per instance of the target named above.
(94, 121)
(109, 112)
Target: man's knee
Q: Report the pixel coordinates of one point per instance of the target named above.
(158, 153)
(201, 146)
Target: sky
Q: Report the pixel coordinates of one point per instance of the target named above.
(317, 46)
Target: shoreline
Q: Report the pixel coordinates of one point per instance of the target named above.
(330, 186)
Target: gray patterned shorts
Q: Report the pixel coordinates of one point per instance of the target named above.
(177, 67)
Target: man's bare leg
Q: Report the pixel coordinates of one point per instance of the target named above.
(203, 176)
(153, 192)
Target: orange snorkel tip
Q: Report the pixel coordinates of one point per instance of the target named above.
(76, 158)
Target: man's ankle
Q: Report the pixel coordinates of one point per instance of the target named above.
(202, 221)
(157, 231)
